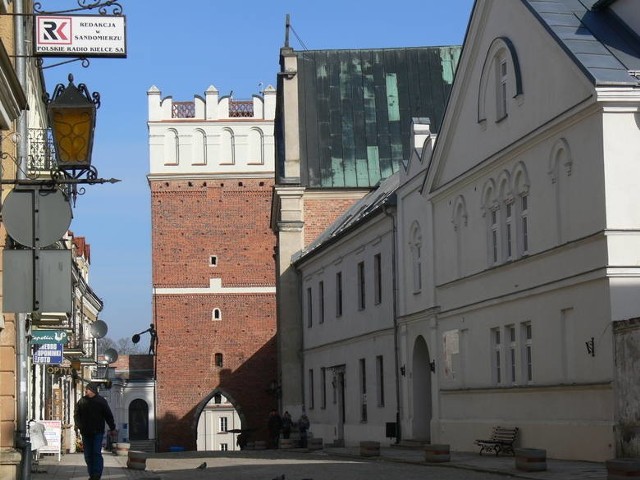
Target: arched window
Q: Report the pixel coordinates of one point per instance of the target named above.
(459, 221)
(227, 147)
(521, 200)
(501, 80)
(171, 147)
(415, 245)
(490, 210)
(256, 147)
(216, 314)
(199, 147)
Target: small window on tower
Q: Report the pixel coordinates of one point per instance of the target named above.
(213, 261)
(217, 314)
(217, 358)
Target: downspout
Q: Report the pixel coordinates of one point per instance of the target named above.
(22, 435)
(392, 203)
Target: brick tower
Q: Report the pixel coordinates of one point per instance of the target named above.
(211, 178)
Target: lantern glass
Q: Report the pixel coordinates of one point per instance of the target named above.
(73, 135)
(72, 116)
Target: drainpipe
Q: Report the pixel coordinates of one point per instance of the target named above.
(22, 435)
(392, 203)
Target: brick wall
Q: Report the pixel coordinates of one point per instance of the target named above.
(320, 213)
(191, 221)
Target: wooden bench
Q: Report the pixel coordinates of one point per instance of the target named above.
(501, 441)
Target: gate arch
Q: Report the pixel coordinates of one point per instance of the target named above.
(421, 379)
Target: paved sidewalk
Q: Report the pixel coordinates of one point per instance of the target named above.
(162, 466)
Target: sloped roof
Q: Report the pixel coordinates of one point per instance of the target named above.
(355, 109)
(598, 41)
(357, 214)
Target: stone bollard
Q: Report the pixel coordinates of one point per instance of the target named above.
(122, 449)
(437, 453)
(315, 443)
(623, 468)
(531, 459)
(369, 449)
(137, 460)
(285, 444)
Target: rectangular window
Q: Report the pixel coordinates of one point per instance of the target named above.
(224, 447)
(363, 390)
(524, 223)
(223, 424)
(309, 307)
(527, 338)
(311, 389)
(380, 377)
(361, 286)
(511, 335)
(323, 388)
(321, 302)
(377, 273)
(339, 294)
(496, 361)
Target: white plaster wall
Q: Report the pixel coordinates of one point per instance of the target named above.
(356, 334)
(546, 92)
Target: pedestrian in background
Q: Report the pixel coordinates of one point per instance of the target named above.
(303, 428)
(91, 414)
(286, 424)
(274, 424)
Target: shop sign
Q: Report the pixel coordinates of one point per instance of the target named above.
(48, 353)
(41, 337)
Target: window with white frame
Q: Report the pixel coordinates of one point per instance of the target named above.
(496, 357)
(361, 286)
(377, 274)
(527, 358)
(494, 235)
(416, 257)
(321, 302)
(510, 336)
(508, 230)
(309, 307)
(524, 223)
(223, 424)
(216, 314)
(502, 88)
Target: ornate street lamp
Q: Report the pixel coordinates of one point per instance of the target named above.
(72, 116)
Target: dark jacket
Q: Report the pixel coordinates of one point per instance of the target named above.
(91, 414)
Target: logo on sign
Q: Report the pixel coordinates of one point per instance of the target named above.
(54, 30)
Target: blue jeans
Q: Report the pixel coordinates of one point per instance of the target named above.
(92, 446)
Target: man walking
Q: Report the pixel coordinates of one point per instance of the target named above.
(92, 412)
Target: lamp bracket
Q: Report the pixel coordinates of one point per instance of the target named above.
(104, 7)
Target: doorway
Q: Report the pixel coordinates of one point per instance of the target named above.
(138, 420)
(421, 380)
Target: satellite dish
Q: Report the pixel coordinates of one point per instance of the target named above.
(110, 355)
(98, 329)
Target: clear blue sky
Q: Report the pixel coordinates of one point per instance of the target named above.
(182, 48)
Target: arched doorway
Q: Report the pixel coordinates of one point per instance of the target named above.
(138, 420)
(421, 379)
(219, 425)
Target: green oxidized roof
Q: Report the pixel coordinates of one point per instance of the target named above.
(356, 107)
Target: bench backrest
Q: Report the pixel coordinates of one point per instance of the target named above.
(504, 434)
